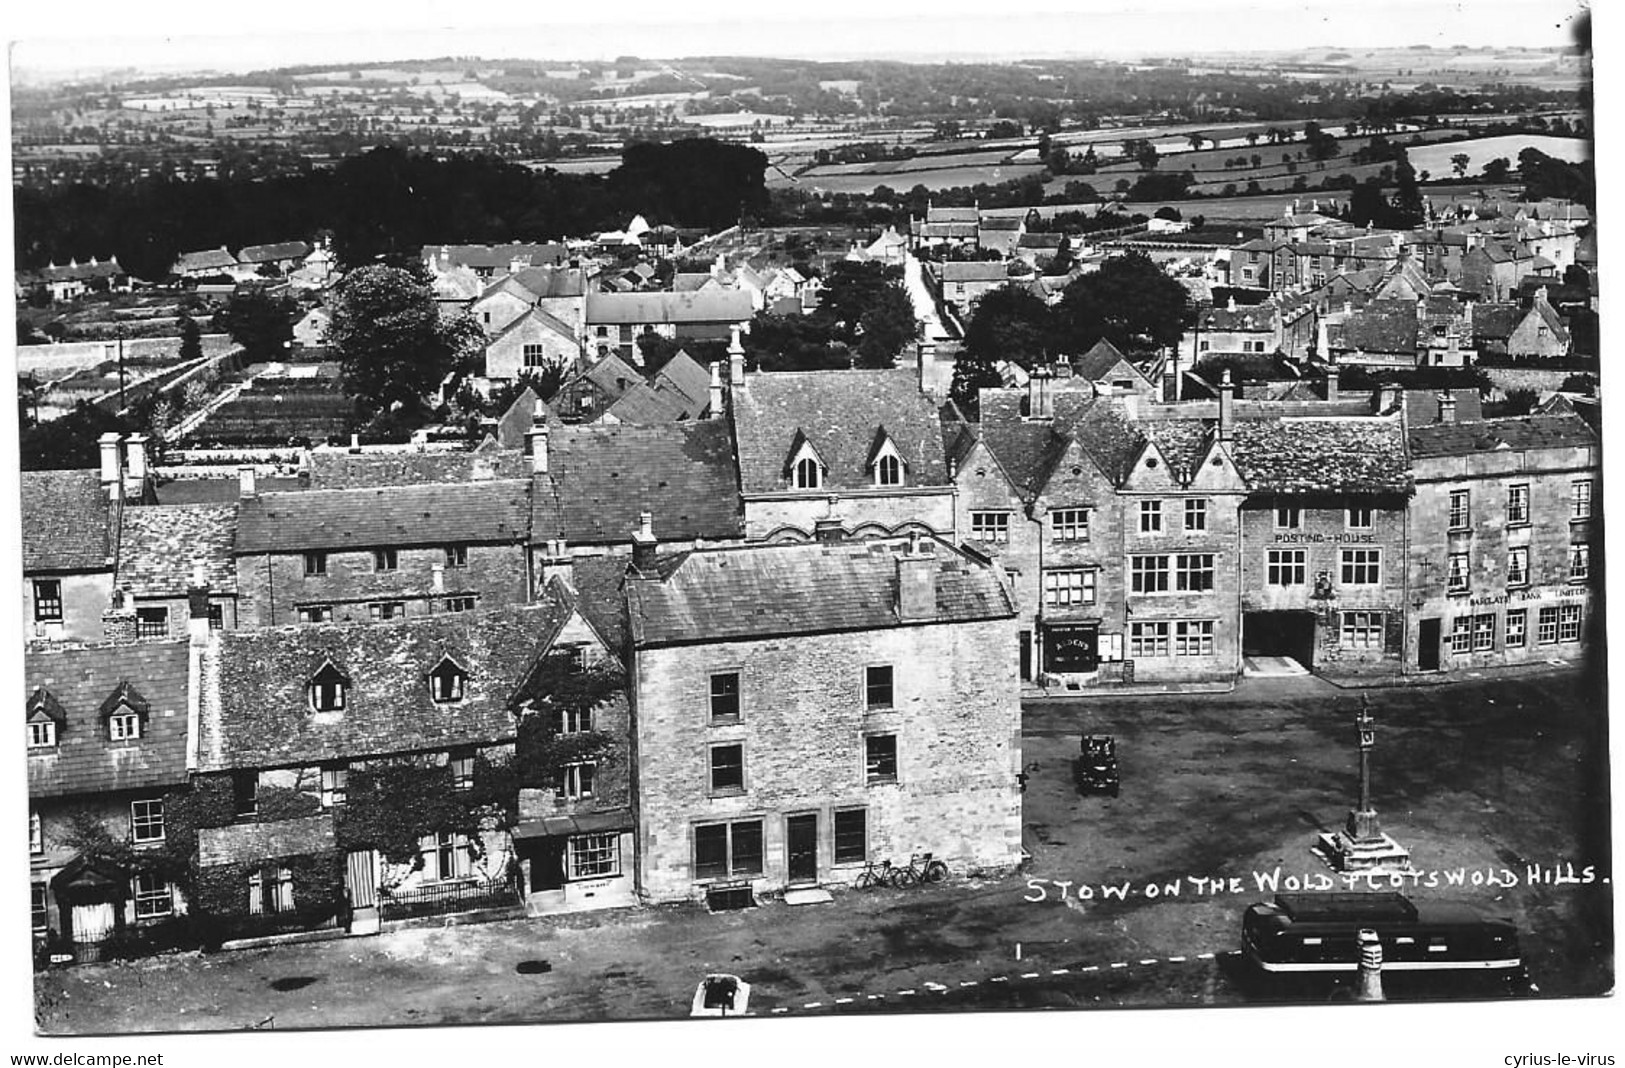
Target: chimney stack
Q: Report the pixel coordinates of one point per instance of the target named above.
(246, 487)
(644, 545)
(1040, 402)
(916, 582)
(555, 563)
(197, 604)
(1227, 406)
(1388, 397)
(1332, 384)
(112, 469)
(827, 527)
(1170, 376)
(355, 442)
(118, 622)
(135, 465)
(736, 359)
(536, 438)
(1447, 407)
(927, 354)
(716, 390)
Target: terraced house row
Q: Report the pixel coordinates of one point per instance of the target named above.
(584, 666)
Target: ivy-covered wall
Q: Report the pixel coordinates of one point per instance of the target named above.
(222, 900)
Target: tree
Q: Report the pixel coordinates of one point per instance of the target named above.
(392, 344)
(1129, 301)
(1010, 323)
(1458, 163)
(1498, 170)
(971, 374)
(261, 323)
(656, 351)
(191, 339)
(69, 441)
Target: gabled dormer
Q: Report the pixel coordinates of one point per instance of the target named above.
(1150, 471)
(804, 468)
(1216, 471)
(328, 689)
(124, 713)
(885, 464)
(448, 681)
(45, 721)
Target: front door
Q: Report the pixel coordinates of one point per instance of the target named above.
(1026, 655)
(1427, 646)
(547, 865)
(801, 848)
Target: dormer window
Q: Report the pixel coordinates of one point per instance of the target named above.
(448, 681)
(885, 463)
(124, 725)
(42, 735)
(45, 719)
(125, 713)
(327, 689)
(807, 474)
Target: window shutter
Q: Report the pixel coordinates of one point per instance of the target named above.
(256, 893)
(1393, 637)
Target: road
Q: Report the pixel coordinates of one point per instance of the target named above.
(1487, 774)
(925, 309)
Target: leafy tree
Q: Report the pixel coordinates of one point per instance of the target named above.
(1498, 170)
(392, 344)
(70, 441)
(972, 373)
(1010, 323)
(1129, 301)
(191, 339)
(260, 322)
(1458, 163)
(656, 350)
(794, 343)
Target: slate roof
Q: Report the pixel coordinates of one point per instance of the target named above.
(687, 378)
(1387, 326)
(948, 229)
(256, 841)
(80, 679)
(284, 250)
(539, 315)
(338, 468)
(689, 281)
(160, 545)
(1008, 222)
(1182, 443)
(496, 511)
(755, 591)
(525, 412)
(261, 716)
(973, 271)
(498, 256)
(1102, 427)
(65, 520)
(1422, 406)
(1098, 362)
(1520, 433)
(839, 412)
(71, 272)
(645, 406)
(202, 261)
(933, 214)
(1023, 448)
(1255, 318)
(595, 591)
(1040, 241)
(1330, 455)
(601, 478)
(609, 373)
(702, 306)
(220, 490)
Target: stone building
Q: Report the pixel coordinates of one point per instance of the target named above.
(380, 553)
(801, 710)
(107, 750)
(871, 438)
(1504, 541)
(170, 552)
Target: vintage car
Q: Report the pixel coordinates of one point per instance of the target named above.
(1097, 765)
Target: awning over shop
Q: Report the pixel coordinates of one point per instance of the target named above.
(619, 819)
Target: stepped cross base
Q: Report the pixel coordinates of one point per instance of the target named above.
(1362, 846)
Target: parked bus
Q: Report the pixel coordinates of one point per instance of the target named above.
(1319, 933)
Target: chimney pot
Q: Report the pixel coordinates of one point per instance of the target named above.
(538, 439)
(644, 545)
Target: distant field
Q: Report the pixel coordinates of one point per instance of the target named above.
(909, 166)
(942, 178)
(1436, 158)
(594, 165)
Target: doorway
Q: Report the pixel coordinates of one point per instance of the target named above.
(1289, 635)
(1427, 644)
(801, 848)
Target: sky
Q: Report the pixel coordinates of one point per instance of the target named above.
(193, 35)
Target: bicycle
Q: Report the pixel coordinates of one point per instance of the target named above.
(873, 875)
(921, 869)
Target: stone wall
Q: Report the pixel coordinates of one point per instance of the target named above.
(955, 715)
